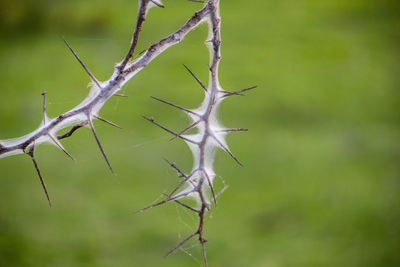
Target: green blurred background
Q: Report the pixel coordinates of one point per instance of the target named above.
(321, 181)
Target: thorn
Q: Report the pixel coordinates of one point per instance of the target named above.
(211, 187)
(198, 1)
(240, 91)
(168, 130)
(164, 201)
(60, 146)
(157, 3)
(182, 174)
(197, 79)
(31, 154)
(227, 150)
(202, 242)
(82, 64)
(234, 130)
(106, 121)
(179, 186)
(233, 93)
(151, 206)
(184, 205)
(176, 106)
(121, 95)
(181, 244)
(187, 206)
(185, 130)
(99, 144)
(44, 107)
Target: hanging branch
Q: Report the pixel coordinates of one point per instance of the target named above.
(210, 136)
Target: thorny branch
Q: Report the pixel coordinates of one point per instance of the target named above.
(210, 136)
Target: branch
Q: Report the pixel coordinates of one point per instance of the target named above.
(210, 135)
(143, 4)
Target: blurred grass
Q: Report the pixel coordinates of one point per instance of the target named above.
(320, 186)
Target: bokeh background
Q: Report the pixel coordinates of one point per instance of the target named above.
(320, 183)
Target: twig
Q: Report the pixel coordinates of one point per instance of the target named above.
(139, 22)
